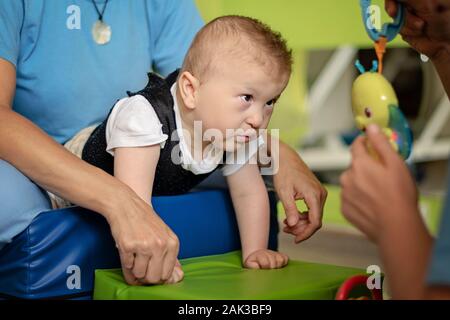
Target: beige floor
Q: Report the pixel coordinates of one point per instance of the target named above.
(337, 246)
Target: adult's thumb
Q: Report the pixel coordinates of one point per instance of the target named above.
(292, 216)
(380, 143)
(391, 8)
(290, 208)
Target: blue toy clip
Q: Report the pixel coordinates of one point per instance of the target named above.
(389, 30)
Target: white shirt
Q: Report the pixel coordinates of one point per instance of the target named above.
(133, 123)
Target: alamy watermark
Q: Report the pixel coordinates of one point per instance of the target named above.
(374, 17)
(74, 279)
(374, 280)
(73, 21)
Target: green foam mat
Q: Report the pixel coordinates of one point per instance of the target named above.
(222, 277)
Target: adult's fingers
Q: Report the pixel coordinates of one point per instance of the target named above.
(154, 270)
(176, 276)
(170, 259)
(419, 6)
(287, 198)
(302, 223)
(179, 272)
(358, 148)
(356, 216)
(306, 230)
(438, 28)
(391, 7)
(128, 274)
(303, 220)
(140, 265)
(126, 257)
(302, 231)
(414, 26)
(315, 210)
(381, 144)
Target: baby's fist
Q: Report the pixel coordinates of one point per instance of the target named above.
(266, 259)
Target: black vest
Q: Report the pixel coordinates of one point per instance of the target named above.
(170, 178)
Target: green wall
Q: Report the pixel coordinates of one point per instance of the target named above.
(305, 23)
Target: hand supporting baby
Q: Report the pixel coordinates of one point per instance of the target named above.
(266, 259)
(177, 274)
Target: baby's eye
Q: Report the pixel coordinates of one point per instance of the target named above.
(368, 112)
(271, 103)
(247, 98)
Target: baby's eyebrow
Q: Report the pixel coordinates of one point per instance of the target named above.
(276, 98)
(250, 89)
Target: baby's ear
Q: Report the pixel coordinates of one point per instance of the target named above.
(188, 86)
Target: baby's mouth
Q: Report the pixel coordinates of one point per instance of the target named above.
(243, 138)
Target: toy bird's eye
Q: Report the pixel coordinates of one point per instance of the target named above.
(367, 112)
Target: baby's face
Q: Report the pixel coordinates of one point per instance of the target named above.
(237, 100)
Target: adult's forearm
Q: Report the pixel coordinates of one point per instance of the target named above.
(51, 166)
(405, 253)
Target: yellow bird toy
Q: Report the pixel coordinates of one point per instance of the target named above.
(374, 101)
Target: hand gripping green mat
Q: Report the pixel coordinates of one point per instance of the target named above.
(222, 277)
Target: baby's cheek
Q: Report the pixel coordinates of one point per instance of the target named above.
(267, 115)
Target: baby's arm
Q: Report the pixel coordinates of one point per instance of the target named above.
(251, 203)
(135, 166)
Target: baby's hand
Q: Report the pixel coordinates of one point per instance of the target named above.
(266, 259)
(177, 274)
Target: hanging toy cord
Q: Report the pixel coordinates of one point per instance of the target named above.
(388, 31)
(380, 49)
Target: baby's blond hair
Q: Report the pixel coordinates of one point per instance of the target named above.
(239, 37)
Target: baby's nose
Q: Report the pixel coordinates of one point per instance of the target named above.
(256, 120)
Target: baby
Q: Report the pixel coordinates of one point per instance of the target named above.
(225, 92)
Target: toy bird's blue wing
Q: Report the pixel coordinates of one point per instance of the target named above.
(402, 131)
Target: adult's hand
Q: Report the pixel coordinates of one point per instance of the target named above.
(148, 248)
(427, 26)
(295, 181)
(377, 194)
(379, 197)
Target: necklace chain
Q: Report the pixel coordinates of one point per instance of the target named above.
(100, 15)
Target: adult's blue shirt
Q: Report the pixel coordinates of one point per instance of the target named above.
(65, 81)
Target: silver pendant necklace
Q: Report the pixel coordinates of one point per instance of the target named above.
(101, 32)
